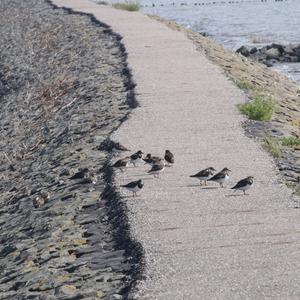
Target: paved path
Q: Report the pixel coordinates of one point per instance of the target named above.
(199, 243)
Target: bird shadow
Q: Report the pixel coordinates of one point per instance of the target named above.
(236, 195)
(193, 185)
(209, 187)
(142, 176)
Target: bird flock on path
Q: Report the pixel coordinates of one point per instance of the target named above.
(158, 165)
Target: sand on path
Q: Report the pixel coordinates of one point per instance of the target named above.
(199, 243)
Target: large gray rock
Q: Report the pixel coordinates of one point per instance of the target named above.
(273, 53)
(244, 51)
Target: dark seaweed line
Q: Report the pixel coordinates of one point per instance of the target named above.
(116, 208)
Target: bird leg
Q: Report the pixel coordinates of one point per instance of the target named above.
(205, 183)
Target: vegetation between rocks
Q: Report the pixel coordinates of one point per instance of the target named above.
(290, 141)
(261, 108)
(129, 6)
(272, 145)
(244, 85)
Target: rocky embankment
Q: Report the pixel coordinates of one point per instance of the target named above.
(272, 54)
(64, 87)
(253, 76)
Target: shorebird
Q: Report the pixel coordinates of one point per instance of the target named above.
(157, 168)
(244, 184)
(111, 146)
(204, 175)
(41, 199)
(136, 158)
(169, 158)
(149, 159)
(134, 186)
(121, 164)
(221, 177)
(86, 176)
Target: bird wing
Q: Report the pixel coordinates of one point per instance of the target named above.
(241, 183)
(134, 156)
(130, 184)
(148, 160)
(156, 167)
(217, 176)
(120, 163)
(169, 158)
(203, 173)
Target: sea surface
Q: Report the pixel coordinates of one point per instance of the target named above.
(235, 23)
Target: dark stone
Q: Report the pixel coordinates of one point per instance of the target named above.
(244, 51)
(65, 172)
(269, 53)
(7, 250)
(269, 62)
(253, 50)
(279, 47)
(80, 174)
(67, 197)
(17, 285)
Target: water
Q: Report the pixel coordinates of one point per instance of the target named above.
(236, 23)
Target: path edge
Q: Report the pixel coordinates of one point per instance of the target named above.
(117, 210)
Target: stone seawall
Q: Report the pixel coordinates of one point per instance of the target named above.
(64, 87)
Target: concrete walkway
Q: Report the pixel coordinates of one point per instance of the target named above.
(199, 243)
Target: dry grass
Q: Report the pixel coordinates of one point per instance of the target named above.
(256, 39)
(51, 93)
(49, 39)
(273, 146)
(290, 141)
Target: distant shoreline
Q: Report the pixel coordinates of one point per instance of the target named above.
(237, 23)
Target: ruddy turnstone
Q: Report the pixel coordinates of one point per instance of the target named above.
(121, 164)
(41, 199)
(169, 158)
(136, 158)
(134, 186)
(86, 176)
(221, 177)
(157, 168)
(111, 146)
(149, 159)
(244, 184)
(204, 175)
